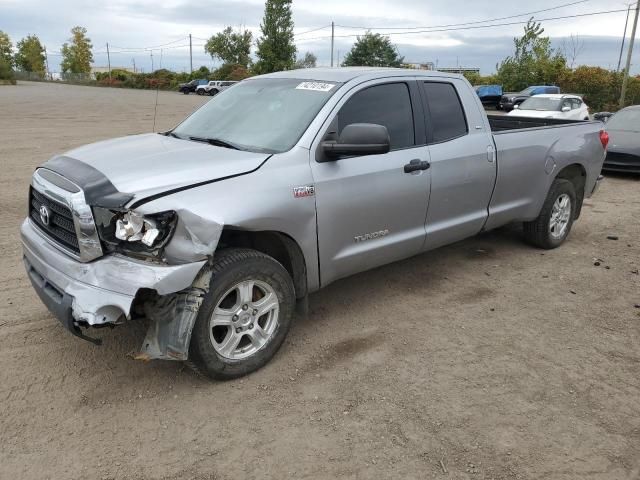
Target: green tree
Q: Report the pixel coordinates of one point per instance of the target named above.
(30, 55)
(308, 61)
(373, 50)
(231, 47)
(276, 50)
(534, 61)
(6, 49)
(77, 56)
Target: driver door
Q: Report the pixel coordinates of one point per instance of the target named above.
(369, 211)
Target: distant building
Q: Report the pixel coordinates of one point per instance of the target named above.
(420, 66)
(460, 70)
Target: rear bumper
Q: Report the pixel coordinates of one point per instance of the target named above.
(99, 292)
(507, 106)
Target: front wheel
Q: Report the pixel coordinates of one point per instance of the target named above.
(554, 223)
(200, 92)
(245, 316)
(213, 92)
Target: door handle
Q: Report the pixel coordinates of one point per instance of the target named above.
(416, 165)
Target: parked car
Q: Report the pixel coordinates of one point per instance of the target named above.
(218, 230)
(623, 128)
(214, 87)
(567, 107)
(510, 100)
(489, 95)
(191, 86)
(603, 116)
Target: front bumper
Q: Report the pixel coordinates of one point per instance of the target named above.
(99, 292)
(621, 162)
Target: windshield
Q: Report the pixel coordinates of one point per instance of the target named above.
(263, 115)
(542, 104)
(628, 120)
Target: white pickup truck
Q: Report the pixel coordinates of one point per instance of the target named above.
(214, 87)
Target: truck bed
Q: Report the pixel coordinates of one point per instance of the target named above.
(501, 123)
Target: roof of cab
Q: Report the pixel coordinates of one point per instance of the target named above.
(345, 74)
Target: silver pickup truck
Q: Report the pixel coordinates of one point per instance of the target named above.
(217, 230)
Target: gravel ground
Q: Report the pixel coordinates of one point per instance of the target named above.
(485, 359)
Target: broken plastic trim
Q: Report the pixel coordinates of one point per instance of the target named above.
(172, 319)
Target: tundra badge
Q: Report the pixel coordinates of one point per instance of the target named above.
(371, 236)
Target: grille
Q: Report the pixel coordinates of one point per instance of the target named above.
(61, 228)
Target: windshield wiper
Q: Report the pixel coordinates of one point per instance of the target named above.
(174, 135)
(217, 142)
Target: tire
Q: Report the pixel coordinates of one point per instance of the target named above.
(217, 350)
(554, 223)
(186, 92)
(200, 92)
(213, 92)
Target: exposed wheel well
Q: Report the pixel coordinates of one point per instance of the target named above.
(577, 175)
(275, 244)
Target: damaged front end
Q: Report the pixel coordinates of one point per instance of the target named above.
(154, 266)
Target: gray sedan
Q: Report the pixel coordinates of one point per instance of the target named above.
(623, 154)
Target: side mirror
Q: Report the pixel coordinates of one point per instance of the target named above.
(358, 139)
(566, 109)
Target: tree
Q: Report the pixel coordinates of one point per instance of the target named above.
(534, 61)
(276, 50)
(30, 55)
(231, 47)
(373, 50)
(6, 49)
(572, 48)
(308, 61)
(77, 57)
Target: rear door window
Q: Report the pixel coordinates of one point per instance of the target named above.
(447, 117)
(389, 105)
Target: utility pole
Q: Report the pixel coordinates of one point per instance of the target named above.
(109, 62)
(190, 54)
(151, 61)
(46, 62)
(332, 29)
(133, 60)
(625, 80)
(160, 59)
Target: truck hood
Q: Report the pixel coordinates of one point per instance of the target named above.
(148, 164)
(624, 141)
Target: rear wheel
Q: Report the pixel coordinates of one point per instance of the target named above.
(554, 223)
(245, 316)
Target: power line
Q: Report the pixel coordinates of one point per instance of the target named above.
(313, 30)
(477, 26)
(469, 23)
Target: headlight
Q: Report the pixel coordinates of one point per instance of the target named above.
(131, 232)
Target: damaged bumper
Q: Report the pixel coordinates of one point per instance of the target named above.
(99, 292)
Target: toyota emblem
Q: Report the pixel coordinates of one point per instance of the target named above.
(45, 215)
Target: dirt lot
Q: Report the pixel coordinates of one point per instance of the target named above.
(488, 358)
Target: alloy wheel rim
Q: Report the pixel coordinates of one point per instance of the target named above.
(244, 319)
(560, 215)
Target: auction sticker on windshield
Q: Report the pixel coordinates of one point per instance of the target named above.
(316, 86)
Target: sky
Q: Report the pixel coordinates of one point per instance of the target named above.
(448, 33)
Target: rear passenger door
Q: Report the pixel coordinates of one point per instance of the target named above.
(463, 162)
(369, 211)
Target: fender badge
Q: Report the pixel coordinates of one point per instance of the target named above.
(306, 191)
